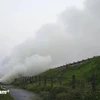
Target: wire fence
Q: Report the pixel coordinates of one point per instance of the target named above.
(56, 81)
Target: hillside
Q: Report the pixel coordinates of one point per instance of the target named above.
(83, 71)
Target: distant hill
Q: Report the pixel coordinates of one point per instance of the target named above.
(81, 69)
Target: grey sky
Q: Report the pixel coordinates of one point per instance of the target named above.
(20, 19)
(61, 35)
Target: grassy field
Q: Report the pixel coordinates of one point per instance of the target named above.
(83, 72)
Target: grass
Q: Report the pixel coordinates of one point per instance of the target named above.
(5, 96)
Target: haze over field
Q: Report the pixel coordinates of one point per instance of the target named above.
(72, 37)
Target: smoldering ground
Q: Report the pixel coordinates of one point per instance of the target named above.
(73, 37)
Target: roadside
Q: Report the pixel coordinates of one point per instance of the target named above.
(4, 94)
(21, 94)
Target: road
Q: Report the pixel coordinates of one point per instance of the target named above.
(21, 94)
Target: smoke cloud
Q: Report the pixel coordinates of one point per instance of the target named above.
(73, 37)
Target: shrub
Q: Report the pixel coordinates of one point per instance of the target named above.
(45, 95)
(56, 90)
(62, 96)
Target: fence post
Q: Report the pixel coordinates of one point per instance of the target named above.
(24, 81)
(35, 79)
(93, 83)
(39, 80)
(32, 80)
(28, 80)
(73, 81)
(51, 81)
(45, 80)
(60, 79)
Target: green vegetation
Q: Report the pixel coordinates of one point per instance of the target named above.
(5, 96)
(83, 72)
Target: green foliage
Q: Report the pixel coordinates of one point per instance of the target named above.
(5, 97)
(45, 95)
(38, 89)
(62, 96)
(56, 90)
(73, 94)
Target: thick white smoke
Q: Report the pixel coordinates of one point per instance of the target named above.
(75, 36)
(30, 65)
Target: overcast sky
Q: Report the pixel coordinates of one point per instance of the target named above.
(47, 33)
(20, 19)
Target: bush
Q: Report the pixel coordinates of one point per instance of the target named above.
(92, 96)
(56, 90)
(62, 96)
(45, 95)
(74, 94)
(64, 93)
